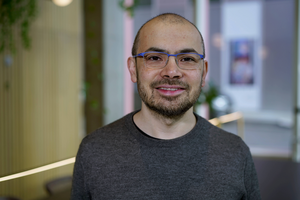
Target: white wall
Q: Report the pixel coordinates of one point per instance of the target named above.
(113, 60)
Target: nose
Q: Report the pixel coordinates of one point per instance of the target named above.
(171, 70)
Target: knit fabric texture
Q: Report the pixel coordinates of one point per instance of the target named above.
(117, 161)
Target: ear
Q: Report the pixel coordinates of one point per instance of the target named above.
(132, 69)
(205, 70)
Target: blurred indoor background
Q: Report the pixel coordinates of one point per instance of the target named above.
(63, 74)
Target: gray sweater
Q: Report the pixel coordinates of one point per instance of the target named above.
(118, 161)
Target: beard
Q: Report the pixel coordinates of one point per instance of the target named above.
(166, 106)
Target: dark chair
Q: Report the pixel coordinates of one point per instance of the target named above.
(58, 185)
(9, 198)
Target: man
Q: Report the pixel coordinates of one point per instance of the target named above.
(165, 151)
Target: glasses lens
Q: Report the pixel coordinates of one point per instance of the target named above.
(155, 60)
(188, 61)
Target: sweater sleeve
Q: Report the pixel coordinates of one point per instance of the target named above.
(79, 190)
(250, 179)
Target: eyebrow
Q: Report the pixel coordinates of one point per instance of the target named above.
(187, 50)
(191, 50)
(156, 49)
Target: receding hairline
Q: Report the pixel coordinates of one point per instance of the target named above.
(168, 18)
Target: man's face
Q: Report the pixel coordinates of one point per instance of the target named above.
(169, 91)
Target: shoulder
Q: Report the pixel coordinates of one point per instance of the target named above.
(222, 142)
(221, 137)
(109, 136)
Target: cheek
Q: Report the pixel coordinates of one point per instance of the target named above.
(195, 81)
(148, 75)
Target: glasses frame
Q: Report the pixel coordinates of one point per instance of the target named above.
(175, 55)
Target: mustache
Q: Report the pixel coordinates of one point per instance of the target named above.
(170, 82)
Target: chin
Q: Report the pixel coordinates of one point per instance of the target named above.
(169, 109)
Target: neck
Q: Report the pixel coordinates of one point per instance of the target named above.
(162, 127)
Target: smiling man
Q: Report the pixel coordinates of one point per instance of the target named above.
(164, 150)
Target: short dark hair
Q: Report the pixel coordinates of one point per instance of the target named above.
(169, 18)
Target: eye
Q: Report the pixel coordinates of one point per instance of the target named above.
(153, 57)
(187, 59)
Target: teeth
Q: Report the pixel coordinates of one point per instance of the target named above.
(172, 89)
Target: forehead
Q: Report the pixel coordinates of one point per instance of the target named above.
(172, 37)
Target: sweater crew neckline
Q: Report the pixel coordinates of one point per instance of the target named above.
(148, 140)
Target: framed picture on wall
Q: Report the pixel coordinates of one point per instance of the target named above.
(241, 62)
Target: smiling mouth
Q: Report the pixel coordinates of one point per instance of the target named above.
(170, 89)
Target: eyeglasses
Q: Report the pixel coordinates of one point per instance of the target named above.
(158, 60)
